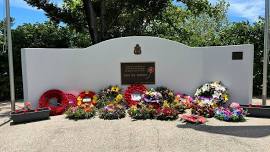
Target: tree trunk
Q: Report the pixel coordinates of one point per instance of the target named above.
(91, 19)
(102, 19)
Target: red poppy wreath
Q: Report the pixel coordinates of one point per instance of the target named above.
(133, 94)
(57, 108)
(72, 100)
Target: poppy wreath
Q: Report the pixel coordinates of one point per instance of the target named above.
(72, 100)
(87, 95)
(193, 119)
(135, 88)
(62, 101)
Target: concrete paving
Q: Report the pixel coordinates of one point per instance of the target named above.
(95, 135)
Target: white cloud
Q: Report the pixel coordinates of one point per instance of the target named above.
(248, 9)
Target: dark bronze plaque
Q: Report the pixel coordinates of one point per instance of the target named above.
(237, 56)
(138, 73)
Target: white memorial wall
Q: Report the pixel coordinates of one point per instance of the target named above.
(177, 66)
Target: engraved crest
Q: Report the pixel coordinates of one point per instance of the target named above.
(137, 50)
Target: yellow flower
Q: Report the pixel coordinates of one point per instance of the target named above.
(214, 105)
(115, 89)
(79, 101)
(119, 98)
(165, 104)
(226, 97)
(94, 98)
(170, 94)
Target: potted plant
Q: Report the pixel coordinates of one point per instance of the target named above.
(28, 114)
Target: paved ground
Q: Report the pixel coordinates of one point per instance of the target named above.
(94, 135)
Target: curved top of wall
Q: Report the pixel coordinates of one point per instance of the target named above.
(139, 40)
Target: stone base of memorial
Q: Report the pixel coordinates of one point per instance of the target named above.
(257, 111)
(31, 115)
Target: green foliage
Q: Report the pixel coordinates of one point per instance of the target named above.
(112, 111)
(191, 26)
(80, 113)
(245, 33)
(103, 18)
(40, 35)
(142, 111)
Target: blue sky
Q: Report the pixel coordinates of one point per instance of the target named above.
(239, 10)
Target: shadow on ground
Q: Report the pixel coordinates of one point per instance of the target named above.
(4, 114)
(238, 131)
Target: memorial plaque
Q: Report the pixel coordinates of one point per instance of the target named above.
(237, 56)
(138, 73)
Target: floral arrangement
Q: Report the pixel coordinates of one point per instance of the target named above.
(208, 97)
(234, 113)
(166, 112)
(213, 93)
(83, 111)
(59, 107)
(195, 119)
(203, 107)
(152, 96)
(72, 100)
(112, 111)
(87, 97)
(142, 111)
(182, 102)
(167, 94)
(133, 94)
(108, 95)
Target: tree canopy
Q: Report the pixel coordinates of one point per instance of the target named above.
(106, 19)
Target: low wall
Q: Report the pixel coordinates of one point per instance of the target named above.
(178, 66)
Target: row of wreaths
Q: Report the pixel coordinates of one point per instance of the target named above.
(143, 103)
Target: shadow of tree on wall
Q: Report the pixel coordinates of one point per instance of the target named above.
(238, 131)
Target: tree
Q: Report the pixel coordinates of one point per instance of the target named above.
(40, 35)
(104, 19)
(245, 33)
(191, 25)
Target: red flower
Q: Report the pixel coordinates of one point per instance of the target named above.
(135, 88)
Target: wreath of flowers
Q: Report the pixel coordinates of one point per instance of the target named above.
(193, 119)
(132, 89)
(167, 94)
(72, 100)
(204, 107)
(182, 102)
(108, 95)
(213, 93)
(84, 111)
(208, 97)
(62, 102)
(112, 111)
(152, 96)
(234, 113)
(166, 112)
(142, 111)
(87, 97)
